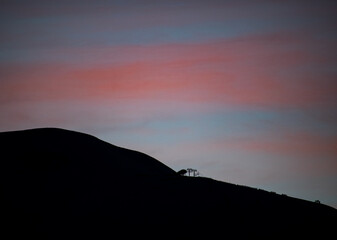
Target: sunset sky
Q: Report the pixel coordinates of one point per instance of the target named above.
(243, 91)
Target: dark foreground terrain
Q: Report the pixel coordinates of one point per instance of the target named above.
(59, 184)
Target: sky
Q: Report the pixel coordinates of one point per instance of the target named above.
(243, 91)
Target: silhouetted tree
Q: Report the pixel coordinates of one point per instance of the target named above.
(192, 172)
(182, 172)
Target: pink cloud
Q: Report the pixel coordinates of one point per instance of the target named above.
(263, 70)
(302, 144)
(299, 152)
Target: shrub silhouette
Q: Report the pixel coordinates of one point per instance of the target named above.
(182, 172)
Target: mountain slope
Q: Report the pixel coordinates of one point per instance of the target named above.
(62, 184)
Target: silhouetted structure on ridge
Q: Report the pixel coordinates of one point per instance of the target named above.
(192, 172)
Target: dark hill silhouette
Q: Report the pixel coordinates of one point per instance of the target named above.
(60, 184)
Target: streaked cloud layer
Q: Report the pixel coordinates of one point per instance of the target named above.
(244, 91)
